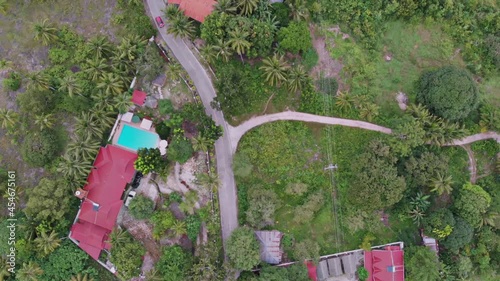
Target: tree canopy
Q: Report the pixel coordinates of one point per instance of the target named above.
(180, 150)
(242, 249)
(295, 37)
(421, 264)
(40, 148)
(448, 92)
(471, 203)
(141, 207)
(148, 160)
(174, 263)
(49, 201)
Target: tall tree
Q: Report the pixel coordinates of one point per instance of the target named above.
(96, 68)
(49, 201)
(225, 6)
(85, 125)
(73, 167)
(421, 264)
(247, 6)
(442, 183)
(208, 180)
(4, 6)
(471, 203)
(71, 85)
(38, 81)
(343, 101)
(181, 26)
(123, 102)
(8, 118)
(242, 249)
(201, 143)
(100, 47)
(238, 41)
(118, 237)
(45, 32)
(44, 121)
(298, 10)
(297, 78)
(111, 84)
(81, 277)
(223, 50)
(47, 243)
(275, 70)
(29, 272)
(83, 146)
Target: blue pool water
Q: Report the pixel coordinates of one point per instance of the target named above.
(134, 138)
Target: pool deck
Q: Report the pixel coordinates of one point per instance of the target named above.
(119, 129)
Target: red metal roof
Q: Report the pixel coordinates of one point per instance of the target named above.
(195, 9)
(139, 97)
(113, 168)
(385, 265)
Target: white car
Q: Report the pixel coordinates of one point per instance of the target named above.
(130, 196)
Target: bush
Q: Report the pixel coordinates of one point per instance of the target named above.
(193, 224)
(162, 221)
(180, 150)
(128, 258)
(242, 249)
(362, 273)
(295, 38)
(40, 148)
(281, 11)
(310, 58)
(165, 106)
(141, 207)
(148, 160)
(163, 130)
(66, 261)
(174, 264)
(12, 82)
(263, 205)
(448, 92)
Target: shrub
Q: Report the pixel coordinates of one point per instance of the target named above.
(295, 38)
(40, 148)
(281, 11)
(310, 58)
(174, 197)
(306, 250)
(362, 273)
(174, 264)
(163, 130)
(66, 261)
(141, 207)
(162, 221)
(148, 160)
(193, 224)
(263, 205)
(165, 106)
(12, 82)
(242, 249)
(180, 150)
(448, 92)
(128, 258)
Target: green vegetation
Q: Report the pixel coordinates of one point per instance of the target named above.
(180, 150)
(149, 160)
(174, 263)
(242, 249)
(421, 264)
(141, 207)
(127, 255)
(295, 37)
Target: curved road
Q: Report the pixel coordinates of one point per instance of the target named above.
(227, 190)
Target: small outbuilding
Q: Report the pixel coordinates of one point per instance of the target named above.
(270, 246)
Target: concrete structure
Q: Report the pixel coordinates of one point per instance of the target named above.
(270, 246)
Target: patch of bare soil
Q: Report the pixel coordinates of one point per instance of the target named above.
(327, 66)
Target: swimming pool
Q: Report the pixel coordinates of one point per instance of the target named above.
(134, 138)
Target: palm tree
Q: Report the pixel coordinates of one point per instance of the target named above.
(297, 78)
(85, 147)
(188, 205)
(70, 84)
(8, 118)
(123, 102)
(96, 68)
(111, 84)
(103, 116)
(86, 125)
(417, 215)
(223, 50)
(100, 47)
(81, 277)
(344, 101)
(490, 218)
(225, 6)
(46, 244)
(29, 272)
(208, 53)
(369, 111)
(247, 6)
(210, 181)
(442, 184)
(38, 81)
(154, 275)
(45, 32)
(275, 69)
(420, 201)
(172, 12)
(238, 41)
(174, 70)
(118, 237)
(4, 6)
(44, 121)
(181, 26)
(74, 168)
(201, 143)
(179, 228)
(298, 10)
(420, 112)
(4, 269)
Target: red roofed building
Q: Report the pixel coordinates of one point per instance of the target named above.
(385, 265)
(139, 97)
(113, 168)
(195, 9)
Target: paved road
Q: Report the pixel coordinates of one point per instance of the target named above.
(474, 138)
(227, 190)
(237, 132)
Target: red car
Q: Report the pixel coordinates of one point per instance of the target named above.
(159, 21)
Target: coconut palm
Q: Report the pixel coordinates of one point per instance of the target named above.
(208, 53)
(29, 272)
(174, 70)
(96, 68)
(172, 12)
(181, 26)
(188, 205)
(420, 112)
(103, 116)
(122, 102)
(247, 6)
(417, 215)
(441, 184)
(38, 81)
(297, 78)
(100, 47)
(81, 277)
(210, 181)
(344, 101)
(490, 218)
(223, 50)
(86, 125)
(8, 118)
(45, 32)
(111, 84)
(225, 6)
(118, 237)
(83, 146)
(275, 69)
(201, 143)
(73, 167)
(238, 41)
(44, 121)
(47, 243)
(369, 111)
(70, 85)
(179, 228)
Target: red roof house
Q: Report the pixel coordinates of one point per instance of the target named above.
(138, 97)
(385, 265)
(113, 168)
(195, 9)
